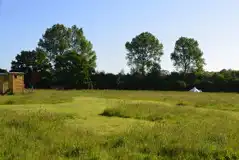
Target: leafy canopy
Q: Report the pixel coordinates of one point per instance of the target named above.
(71, 53)
(55, 41)
(72, 69)
(31, 60)
(144, 52)
(187, 56)
(59, 40)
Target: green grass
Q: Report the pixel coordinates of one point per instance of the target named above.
(42, 135)
(39, 97)
(182, 131)
(109, 124)
(224, 101)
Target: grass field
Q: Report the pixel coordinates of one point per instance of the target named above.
(110, 125)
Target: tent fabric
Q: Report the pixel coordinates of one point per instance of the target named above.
(194, 89)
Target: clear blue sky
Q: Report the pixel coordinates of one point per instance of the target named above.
(108, 24)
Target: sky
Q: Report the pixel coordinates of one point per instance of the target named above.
(109, 24)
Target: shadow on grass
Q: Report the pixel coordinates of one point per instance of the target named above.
(146, 111)
(109, 112)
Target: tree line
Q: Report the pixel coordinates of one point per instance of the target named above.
(64, 58)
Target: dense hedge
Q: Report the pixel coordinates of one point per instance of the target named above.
(223, 81)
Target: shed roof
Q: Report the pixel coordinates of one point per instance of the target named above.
(16, 72)
(3, 74)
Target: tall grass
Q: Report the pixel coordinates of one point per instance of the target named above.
(222, 101)
(161, 112)
(164, 141)
(44, 135)
(180, 132)
(163, 125)
(39, 97)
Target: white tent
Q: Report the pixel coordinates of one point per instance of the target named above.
(194, 89)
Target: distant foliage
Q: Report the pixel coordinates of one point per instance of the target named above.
(65, 59)
(187, 56)
(35, 65)
(223, 81)
(3, 70)
(144, 53)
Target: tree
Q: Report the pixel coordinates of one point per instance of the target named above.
(120, 78)
(80, 45)
(187, 56)
(32, 61)
(72, 70)
(55, 41)
(155, 69)
(3, 70)
(59, 40)
(70, 52)
(164, 73)
(144, 51)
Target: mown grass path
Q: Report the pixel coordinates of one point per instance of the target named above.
(87, 112)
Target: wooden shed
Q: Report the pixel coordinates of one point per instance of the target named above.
(12, 81)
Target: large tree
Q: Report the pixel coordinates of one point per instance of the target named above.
(60, 39)
(55, 41)
(144, 51)
(80, 45)
(187, 56)
(3, 70)
(32, 62)
(72, 70)
(71, 54)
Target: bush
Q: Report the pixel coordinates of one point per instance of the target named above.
(10, 102)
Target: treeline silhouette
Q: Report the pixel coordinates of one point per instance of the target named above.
(223, 81)
(65, 59)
